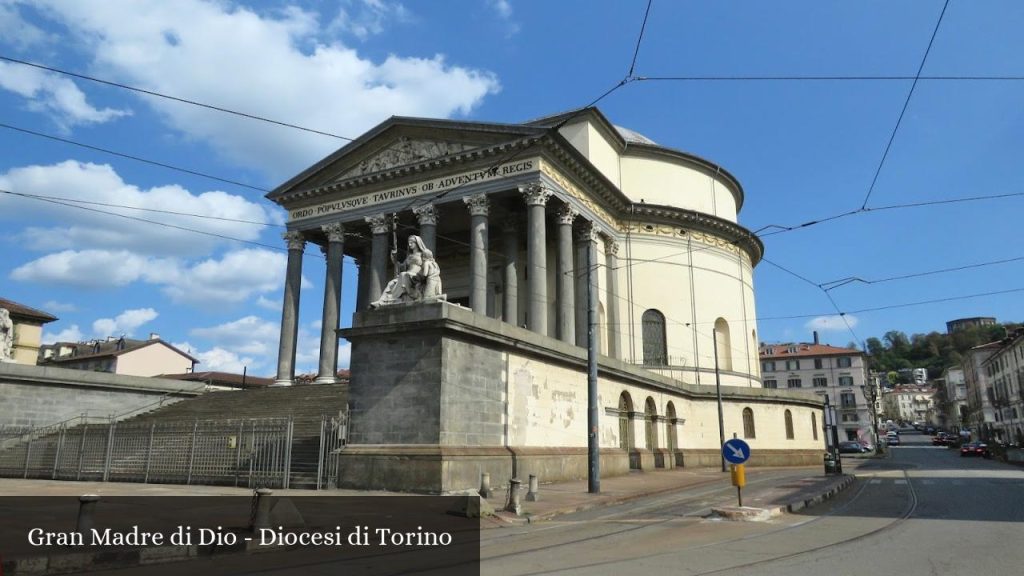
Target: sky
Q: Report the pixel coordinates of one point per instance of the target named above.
(803, 149)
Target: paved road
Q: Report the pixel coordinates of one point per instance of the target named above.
(925, 510)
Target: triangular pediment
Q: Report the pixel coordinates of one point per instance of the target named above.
(405, 151)
(400, 142)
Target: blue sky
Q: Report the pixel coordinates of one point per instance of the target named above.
(803, 150)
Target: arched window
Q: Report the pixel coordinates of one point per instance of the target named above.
(625, 409)
(654, 338)
(724, 350)
(814, 425)
(789, 425)
(748, 423)
(650, 430)
(670, 416)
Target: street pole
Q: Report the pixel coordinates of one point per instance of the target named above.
(718, 391)
(593, 449)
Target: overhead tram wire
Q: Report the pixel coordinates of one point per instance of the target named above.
(798, 78)
(828, 295)
(855, 279)
(906, 103)
(636, 51)
(141, 209)
(155, 222)
(132, 157)
(173, 98)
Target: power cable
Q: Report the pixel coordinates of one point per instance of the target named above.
(906, 103)
(169, 97)
(797, 78)
(131, 157)
(636, 51)
(853, 279)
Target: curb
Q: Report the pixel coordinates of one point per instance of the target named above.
(760, 514)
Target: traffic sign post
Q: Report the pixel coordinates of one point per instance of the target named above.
(736, 452)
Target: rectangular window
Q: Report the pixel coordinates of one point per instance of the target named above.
(844, 362)
(793, 383)
(820, 382)
(771, 383)
(847, 400)
(792, 364)
(817, 363)
(768, 366)
(846, 380)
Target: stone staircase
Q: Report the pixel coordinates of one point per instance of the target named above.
(306, 404)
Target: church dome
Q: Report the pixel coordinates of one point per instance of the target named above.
(634, 137)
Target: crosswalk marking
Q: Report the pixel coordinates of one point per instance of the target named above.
(876, 481)
(901, 481)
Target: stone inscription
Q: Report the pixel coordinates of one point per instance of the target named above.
(435, 186)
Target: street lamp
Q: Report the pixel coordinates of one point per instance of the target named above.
(871, 393)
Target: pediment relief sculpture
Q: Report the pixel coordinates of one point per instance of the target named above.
(405, 151)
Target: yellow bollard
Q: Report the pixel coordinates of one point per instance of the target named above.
(739, 476)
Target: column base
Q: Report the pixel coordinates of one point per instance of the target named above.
(325, 380)
(278, 383)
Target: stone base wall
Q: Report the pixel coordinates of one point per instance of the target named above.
(32, 396)
(713, 458)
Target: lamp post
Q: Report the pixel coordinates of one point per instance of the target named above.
(871, 393)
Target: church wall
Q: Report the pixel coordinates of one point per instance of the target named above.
(656, 181)
(592, 144)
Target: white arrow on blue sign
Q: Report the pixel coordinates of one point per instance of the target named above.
(736, 451)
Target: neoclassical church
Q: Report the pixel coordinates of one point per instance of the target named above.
(489, 374)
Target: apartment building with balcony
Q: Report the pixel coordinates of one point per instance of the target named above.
(1004, 370)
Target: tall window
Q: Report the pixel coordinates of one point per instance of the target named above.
(817, 363)
(724, 350)
(794, 383)
(846, 380)
(814, 425)
(789, 425)
(843, 361)
(847, 400)
(654, 338)
(792, 364)
(625, 409)
(650, 417)
(819, 382)
(768, 366)
(771, 383)
(748, 423)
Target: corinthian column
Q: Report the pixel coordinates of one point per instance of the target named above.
(478, 208)
(611, 252)
(378, 256)
(566, 274)
(290, 309)
(427, 218)
(328, 372)
(510, 249)
(536, 197)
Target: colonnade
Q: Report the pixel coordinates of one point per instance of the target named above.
(373, 263)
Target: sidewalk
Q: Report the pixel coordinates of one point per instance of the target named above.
(789, 494)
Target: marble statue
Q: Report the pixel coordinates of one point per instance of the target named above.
(6, 336)
(418, 277)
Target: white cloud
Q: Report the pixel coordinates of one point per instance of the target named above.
(250, 335)
(232, 279)
(503, 8)
(217, 359)
(20, 33)
(100, 183)
(56, 307)
(279, 66)
(267, 303)
(72, 334)
(832, 323)
(365, 18)
(253, 341)
(125, 322)
(55, 96)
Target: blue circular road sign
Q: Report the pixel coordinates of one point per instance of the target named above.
(736, 451)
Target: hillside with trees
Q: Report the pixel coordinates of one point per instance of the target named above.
(936, 351)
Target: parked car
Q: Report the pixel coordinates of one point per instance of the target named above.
(943, 439)
(975, 449)
(852, 447)
(892, 439)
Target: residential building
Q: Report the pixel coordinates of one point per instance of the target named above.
(956, 397)
(21, 331)
(838, 373)
(911, 403)
(1005, 370)
(151, 357)
(980, 393)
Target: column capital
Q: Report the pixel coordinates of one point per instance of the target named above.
(426, 215)
(535, 194)
(295, 240)
(587, 233)
(566, 214)
(335, 231)
(611, 247)
(478, 204)
(378, 223)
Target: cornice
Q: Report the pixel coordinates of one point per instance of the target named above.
(730, 232)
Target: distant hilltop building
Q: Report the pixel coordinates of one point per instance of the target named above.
(961, 324)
